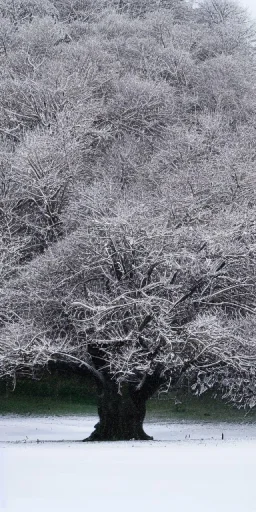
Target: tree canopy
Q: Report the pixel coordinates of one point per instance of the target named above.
(127, 193)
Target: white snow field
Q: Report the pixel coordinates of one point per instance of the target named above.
(200, 473)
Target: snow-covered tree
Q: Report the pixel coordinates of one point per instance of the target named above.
(127, 206)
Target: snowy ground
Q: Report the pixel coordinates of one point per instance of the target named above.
(17, 428)
(189, 469)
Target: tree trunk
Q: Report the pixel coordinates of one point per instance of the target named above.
(121, 416)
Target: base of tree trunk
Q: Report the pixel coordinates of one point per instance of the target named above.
(100, 434)
(120, 416)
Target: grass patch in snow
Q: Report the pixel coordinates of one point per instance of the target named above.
(189, 407)
(56, 395)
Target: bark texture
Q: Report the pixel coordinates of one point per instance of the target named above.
(120, 416)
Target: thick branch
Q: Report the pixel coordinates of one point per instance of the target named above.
(79, 366)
